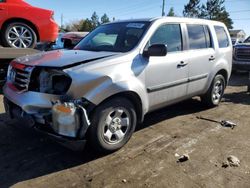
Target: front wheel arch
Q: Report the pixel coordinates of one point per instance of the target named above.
(134, 98)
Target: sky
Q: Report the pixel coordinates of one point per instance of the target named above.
(125, 9)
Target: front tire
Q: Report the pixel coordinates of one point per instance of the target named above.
(112, 125)
(19, 35)
(215, 93)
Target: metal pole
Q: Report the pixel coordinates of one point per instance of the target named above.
(163, 8)
(61, 20)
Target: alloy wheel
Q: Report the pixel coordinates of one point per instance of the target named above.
(20, 36)
(117, 124)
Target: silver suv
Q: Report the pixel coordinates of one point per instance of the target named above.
(118, 73)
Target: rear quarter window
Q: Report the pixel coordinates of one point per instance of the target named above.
(222, 37)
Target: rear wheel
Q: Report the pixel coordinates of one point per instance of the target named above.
(112, 125)
(19, 35)
(215, 92)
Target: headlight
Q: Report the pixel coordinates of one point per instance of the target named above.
(50, 81)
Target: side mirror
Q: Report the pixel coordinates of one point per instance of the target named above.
(156, 50)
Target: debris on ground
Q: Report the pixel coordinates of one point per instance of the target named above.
(232, 161)
(124, 181)
(223, 123)
(176, 155)
(183, 158)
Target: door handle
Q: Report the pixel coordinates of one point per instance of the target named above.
(212, 58)
(181, 64)
(1, 8)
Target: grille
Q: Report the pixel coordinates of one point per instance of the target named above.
(19, 76)
(242, 53)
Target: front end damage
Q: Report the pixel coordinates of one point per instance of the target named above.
(37, 96)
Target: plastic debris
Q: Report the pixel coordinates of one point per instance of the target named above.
(183, 158)
(232, 161)
(124, 181)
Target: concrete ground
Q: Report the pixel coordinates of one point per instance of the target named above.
(28, 159)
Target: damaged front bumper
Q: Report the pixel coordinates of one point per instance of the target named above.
(66, 122)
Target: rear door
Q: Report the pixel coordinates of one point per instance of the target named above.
(201, 57)
(167, 77)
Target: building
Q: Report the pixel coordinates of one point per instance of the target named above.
(237, 35)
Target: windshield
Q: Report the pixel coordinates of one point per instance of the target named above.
(114, 37)
(247, 40)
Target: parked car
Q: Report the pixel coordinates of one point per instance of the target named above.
(241, 56)
(71, 39)
(23, 25)
(118, 73)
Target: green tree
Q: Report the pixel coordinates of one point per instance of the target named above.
(171, 12)
(215, 10)
(105, 19)
(87, 25)
(192, 9)
(95, 20)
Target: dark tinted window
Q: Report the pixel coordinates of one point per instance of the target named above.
(169, 35)
(199, 37)
(222, 36)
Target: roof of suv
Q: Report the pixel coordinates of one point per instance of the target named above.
(173, 19)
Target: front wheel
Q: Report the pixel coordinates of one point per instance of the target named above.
(215, 92)
(112, 124)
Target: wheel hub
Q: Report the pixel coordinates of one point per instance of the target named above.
(116, 126)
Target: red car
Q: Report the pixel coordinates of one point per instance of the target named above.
(22, 25)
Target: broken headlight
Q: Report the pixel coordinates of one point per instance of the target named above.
(50, 81)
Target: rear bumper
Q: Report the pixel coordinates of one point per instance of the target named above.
(48, 32)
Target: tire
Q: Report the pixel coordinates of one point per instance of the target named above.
(19, 35)
(112, 125)
(215, 92)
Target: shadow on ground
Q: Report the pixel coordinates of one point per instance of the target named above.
(25, 154)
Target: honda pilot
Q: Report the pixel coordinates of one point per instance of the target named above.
(102, 89)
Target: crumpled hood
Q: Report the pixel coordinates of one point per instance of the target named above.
(63, 58)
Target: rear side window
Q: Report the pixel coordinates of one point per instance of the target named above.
(170, 35)
(223, 39)
(199, 37)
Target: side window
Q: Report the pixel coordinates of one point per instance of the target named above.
(199, 36)
(170, 35)
(222, 36)
(2, 1)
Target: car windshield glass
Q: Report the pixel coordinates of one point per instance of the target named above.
(114, 37)
(247, 40)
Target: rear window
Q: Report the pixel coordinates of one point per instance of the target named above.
(199, 36)
(223, 39)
